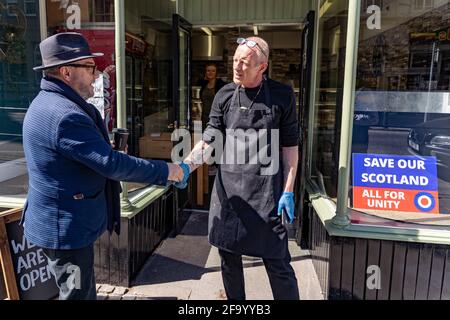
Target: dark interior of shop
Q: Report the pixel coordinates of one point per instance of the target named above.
(149, 79)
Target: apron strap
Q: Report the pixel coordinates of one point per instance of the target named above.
(268, 99)
(233, 98)
(267, 93)
(221, 193)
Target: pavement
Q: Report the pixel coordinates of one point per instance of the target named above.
(187, 267)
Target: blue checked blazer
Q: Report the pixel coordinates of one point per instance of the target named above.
(70, 165)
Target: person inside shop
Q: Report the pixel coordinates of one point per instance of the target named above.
(365, 116)
(210, 85)
(246, 209)
(74, 172)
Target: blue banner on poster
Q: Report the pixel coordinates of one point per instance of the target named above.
(391, 171)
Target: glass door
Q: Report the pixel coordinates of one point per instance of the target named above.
(134, 102)
(181, 36)
(181, 91)
(303, 114)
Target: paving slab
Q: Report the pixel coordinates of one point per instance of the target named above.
(187, 267)
(120, 291)
(106, 288)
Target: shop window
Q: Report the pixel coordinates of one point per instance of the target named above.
(367, 3)
(17, 73)
(328, 104)
(37, 62)
(83, 16)
(103, 10)
(19, 53)
(149, 80)
(18, 87)
(335, 41)
(30, 7)
(11, 5)
(401, 136)
(423, 4)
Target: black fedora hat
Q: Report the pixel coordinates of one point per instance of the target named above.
(63, 48)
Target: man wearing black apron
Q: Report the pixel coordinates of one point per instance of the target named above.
(249, 198)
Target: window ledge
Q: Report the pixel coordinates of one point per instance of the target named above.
(138, 202)
(12, 201)
(326, 210)
(142, 200)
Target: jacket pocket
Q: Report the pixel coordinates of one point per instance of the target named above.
(92, 213)
(87, 195)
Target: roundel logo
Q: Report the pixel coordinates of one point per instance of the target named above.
(424, 201)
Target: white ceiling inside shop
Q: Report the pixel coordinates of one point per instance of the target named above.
(235, 12)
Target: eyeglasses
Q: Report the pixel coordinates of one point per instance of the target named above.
(93, 66)
(250, 44)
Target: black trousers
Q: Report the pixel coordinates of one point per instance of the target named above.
(74, 272)
(281, 277)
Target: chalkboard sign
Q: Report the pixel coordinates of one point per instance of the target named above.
(34, 279)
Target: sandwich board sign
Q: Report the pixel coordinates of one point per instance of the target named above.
(33, 277)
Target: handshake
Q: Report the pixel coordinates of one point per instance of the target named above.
(179, 174)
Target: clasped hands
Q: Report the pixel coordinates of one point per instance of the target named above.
(286, 202)
(186, 171)
(179, 174)
(193, 161)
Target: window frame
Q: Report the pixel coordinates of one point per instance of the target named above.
(27, 4)
(8, 4)
(328, 208)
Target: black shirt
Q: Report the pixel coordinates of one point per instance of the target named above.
(283, 106)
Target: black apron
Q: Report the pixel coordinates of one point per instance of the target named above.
(243, 213)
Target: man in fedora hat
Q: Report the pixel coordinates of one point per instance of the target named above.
(73, 194)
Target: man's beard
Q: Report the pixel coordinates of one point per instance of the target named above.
(87, 92)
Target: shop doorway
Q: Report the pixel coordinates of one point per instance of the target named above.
(165, 94)
(213, 47)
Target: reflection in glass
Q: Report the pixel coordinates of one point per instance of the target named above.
(19, 39)
(95, 20)
(183, 84)
(402, 93)
(149, 79)
(328, 104)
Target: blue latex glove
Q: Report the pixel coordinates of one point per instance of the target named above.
(183, 183)
(287, 203)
